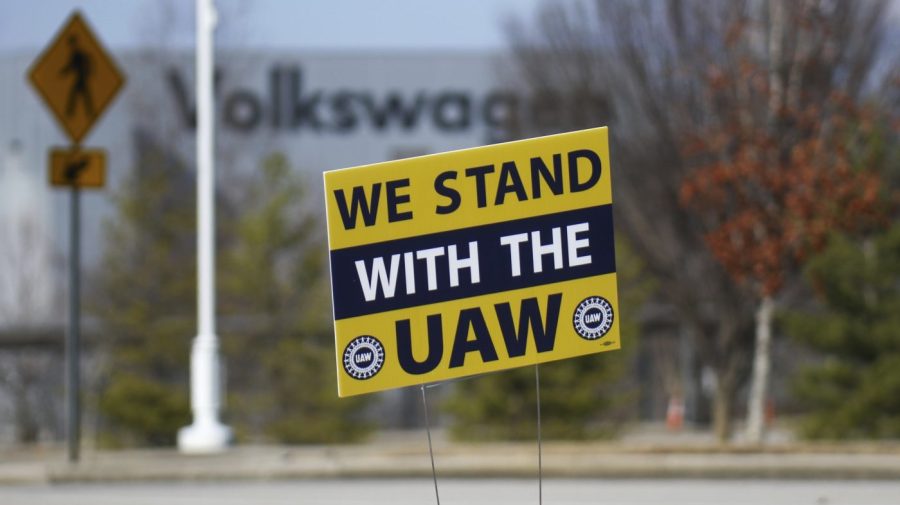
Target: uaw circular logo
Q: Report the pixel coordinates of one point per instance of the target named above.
(363, 357)
(593, 317)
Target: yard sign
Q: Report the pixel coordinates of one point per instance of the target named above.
(472, 261)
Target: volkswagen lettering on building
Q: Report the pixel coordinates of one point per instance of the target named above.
(289, 103)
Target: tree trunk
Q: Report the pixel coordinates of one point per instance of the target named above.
(776, 56)
(762, 360)
(721, 413)
(27, 428)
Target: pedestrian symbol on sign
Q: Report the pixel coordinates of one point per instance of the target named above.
(79, 65)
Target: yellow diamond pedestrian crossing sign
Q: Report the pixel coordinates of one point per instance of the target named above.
(76, 77)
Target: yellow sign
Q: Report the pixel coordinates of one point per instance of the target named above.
(472, 261)
(75, 167)
(76, 77)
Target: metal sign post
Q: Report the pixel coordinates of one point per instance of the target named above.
(73, 336)
(77, 80)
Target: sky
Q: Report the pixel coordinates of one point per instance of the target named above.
(280, 24)
(27, 25)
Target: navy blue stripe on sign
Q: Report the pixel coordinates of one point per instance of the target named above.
(355, 276)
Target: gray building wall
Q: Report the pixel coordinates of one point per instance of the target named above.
(323, 111)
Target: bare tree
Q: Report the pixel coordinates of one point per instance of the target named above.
(29, 290)
(659, 64)
(640, 56)
(783, 125)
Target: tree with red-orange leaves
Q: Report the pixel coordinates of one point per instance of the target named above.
(769, 195)
(735, 75)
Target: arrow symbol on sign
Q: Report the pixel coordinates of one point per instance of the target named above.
(75, 167)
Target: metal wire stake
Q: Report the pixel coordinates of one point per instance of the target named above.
(430, 449)
(537, 387)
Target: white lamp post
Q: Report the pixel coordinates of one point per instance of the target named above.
(207, 433)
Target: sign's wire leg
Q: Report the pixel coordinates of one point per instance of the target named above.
(537, 388)
(437, 496)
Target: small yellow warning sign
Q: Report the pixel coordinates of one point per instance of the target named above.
(79, 168)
